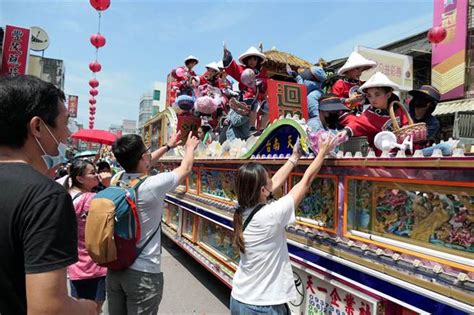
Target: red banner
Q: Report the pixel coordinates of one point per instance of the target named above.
(284, 98)
(72, 104)
(16, 48)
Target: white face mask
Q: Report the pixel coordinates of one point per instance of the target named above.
(49, 160)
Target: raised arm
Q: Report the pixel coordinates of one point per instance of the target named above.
(187, 163)
(299, 190)
(282, 174)
(172, 142)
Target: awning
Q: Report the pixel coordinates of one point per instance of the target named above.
(452, 107)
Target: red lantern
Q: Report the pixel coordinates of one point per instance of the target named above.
(93, 92)
(93, 83)
(92, 106)
(437, 34)
(92, 101)
(95, 66)
(100, 5)
(97, 40)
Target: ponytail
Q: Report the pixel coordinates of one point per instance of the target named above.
(238, 241)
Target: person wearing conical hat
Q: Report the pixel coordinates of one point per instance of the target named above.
(422, 106)
(254, 95)
(185, 76)
(379, 91)
(347, 87)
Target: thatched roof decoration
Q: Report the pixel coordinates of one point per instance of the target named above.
(283, 58)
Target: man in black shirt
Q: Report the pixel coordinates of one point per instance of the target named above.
(38, 226)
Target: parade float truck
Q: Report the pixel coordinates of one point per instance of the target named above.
(373, 235)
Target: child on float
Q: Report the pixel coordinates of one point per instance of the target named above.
(253, 95)
(330, 107)
(313, 79)
(204, 133)
(379, 91)
(263, 282)
(185, 77)
(422, 106)
(347, 87)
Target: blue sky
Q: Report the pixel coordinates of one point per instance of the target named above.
(145, 39)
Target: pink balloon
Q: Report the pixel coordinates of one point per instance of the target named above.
(180, 72)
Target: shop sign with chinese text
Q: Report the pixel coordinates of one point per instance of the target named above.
(16, 48)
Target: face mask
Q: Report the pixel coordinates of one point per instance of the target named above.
(49, 160)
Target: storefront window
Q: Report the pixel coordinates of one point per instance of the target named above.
(174, 215)
(436, 216)
(188, 220)
(219, 239)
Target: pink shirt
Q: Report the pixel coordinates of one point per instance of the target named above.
(85, 268)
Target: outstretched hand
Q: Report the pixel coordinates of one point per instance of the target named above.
(325, 145)
(192, 142)
(175, 140)
(297, 151)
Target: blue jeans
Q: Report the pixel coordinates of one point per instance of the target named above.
(239, 308)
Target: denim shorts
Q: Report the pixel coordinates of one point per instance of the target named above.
(91, 289)
(239, 308)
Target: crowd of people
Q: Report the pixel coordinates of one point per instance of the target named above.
(358, 108)
(43, 224)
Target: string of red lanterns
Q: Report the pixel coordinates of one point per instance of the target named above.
(97, 40)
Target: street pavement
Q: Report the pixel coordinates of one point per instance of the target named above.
(188, 287)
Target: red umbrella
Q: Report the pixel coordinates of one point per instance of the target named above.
(95, 135)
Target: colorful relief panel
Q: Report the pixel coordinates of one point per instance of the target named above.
(440, 216)
(218, 183)
(218, 238)
(319, 203)
(193, 180)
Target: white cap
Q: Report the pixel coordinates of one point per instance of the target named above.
(213, 65)
(252, 51)
(220, 64)
(378, 80)
(356, 60)
(190, 57)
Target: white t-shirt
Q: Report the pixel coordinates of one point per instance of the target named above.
(264, 275)
(151, 195)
